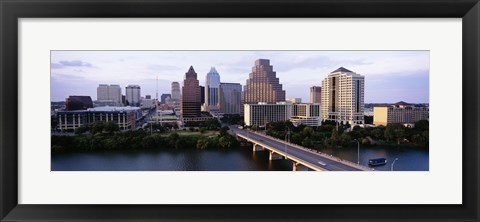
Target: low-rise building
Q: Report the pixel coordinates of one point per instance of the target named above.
(294, 100)
(78, 103)
(262, 113)
(306, 114)
(148, 103)
(400, 112)
(299, 113)
(124, 117)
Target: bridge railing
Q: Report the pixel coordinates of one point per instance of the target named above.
(331, 157)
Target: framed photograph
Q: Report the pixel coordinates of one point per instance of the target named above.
(252, 111)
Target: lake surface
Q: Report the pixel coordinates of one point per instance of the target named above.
(235, 159)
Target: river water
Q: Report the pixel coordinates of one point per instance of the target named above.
(235, 159)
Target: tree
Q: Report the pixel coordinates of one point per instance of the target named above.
(334, 135)
(307, 142)
(148, 142)
(421, 125)
(307, 131)
(226, 141)
(223, 131)
(97, 127)
(389, 133)
(81, 130)
(111, 127)
(377, 133)
(345, 139)
(202, 143)
(172, 139)
(399, 134)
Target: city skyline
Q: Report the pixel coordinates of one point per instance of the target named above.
(390, 76)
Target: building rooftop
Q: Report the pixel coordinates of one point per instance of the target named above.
(341, 69)
(402, 103)
(114, 108)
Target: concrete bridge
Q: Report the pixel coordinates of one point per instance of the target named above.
(302, 158)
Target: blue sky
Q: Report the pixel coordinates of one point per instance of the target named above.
(390, 76)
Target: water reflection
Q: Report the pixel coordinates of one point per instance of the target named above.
(238, 159)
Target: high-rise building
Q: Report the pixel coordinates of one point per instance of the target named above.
(315, 94)
(191, 95)
(212, 83)
(109, 93)
(343, 97)
(263, 85)
(78, 103)
(202, 94)
(400, 112)
(230, 98)
(132, 95)
(176, 94)
(176, 97)
(164, 97)
(148, 97)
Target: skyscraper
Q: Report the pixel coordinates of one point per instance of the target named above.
(176, 95)
(202, 94)
(109, 93)
(343, 96)
(212, 83)
(315, 94)
(263, 85)
(132, 95)
(230, 98)
(191, 95)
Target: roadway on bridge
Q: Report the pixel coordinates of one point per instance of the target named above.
(299, 153)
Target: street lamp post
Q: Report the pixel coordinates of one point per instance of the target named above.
(287, 133)
(391, 167)
(358, 152)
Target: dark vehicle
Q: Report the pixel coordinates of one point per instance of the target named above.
(377, 161)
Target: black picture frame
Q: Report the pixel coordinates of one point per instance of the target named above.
(12, 10)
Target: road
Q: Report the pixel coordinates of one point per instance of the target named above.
(294, 152)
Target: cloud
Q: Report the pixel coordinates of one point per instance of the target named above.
(66, 77)
(156, 67)
(71, 63)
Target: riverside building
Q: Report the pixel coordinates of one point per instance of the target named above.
(299, 113)
(125, 117)
(400, 112)
(343, 97)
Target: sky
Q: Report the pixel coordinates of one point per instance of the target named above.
(390, 76)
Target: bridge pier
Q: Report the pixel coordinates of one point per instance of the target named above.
(275, 156)
(299, 167)
(257, 147)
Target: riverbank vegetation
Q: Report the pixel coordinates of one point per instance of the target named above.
(331, 135)
(107, 139)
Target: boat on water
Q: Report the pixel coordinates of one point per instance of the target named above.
(377, 161)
